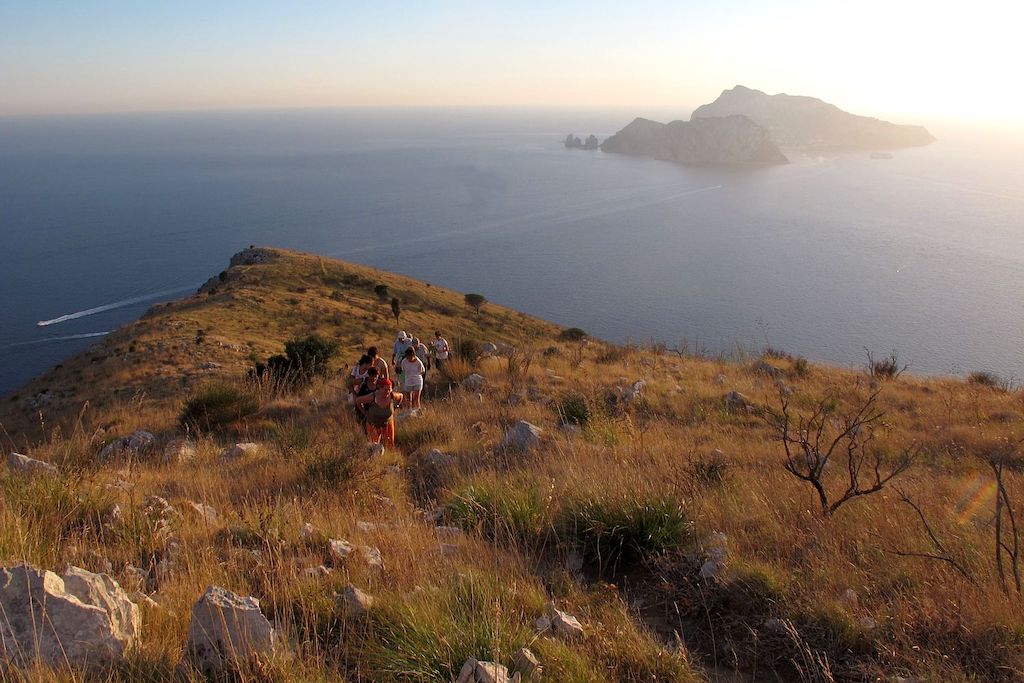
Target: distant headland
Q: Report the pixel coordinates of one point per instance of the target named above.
(747, 126)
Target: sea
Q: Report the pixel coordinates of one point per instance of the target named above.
(831, 257)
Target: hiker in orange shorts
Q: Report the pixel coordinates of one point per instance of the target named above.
(380, 413)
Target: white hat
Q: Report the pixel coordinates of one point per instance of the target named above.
(402, 335)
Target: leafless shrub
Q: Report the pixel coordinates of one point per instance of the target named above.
(813, 442)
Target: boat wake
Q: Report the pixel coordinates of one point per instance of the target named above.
(112, 306)
(47, 340)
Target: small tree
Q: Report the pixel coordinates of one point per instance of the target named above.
(475, 301)
(396, 308)
(813, 442)
(382, 292)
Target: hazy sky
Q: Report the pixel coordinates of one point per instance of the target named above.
(898, 58)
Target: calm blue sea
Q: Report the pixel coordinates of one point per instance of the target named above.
(924, 253)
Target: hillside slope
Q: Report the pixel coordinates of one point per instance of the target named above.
(654, 504)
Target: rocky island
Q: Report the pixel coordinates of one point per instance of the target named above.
(807, 122)
(573, 142)
(726, 139)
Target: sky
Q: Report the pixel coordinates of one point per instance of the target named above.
(903, 59)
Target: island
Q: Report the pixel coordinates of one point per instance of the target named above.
(718, 140)
(573, 142)
(809, 123)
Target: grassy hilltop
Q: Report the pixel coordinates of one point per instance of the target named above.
(659, 507)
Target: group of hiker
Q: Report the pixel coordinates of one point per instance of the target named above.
(376, 391)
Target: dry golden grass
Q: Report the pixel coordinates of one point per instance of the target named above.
(660, 475)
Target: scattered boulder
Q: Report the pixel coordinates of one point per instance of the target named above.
(372, 556)
(474, 671)
(355, 601)
(474, 382)
(439, 459)
(340, 549)
(102, 591)
(376, 450)
(179, 450)
(204, 512)
(522, 436)
(562, 624)
(527, 664)
(48, 622)
(239, 450)
(715, 564)
(763, 367)
(227, 633)
(405, 415)
(736, 401)
(488, 348)
(22, 464)
(137, 444)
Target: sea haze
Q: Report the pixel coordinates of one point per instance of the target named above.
(924, 253)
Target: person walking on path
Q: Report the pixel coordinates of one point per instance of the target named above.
(380, 413)
(440, 349)
(378, 362)
(423, 354)
(403, 342)
(413, 371)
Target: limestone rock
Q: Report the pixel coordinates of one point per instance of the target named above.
(22, 464)
(527, 664)
(734, 400)
(474, 382)
(340, 549)
(179, 450)
(488, 348)
(522, 436)
(102, 591)
(204, 512)
(355, 601)
(239, 450)
(137, 444)
(439, 459)
(46, 623)
(563, 624)
(228, 632)
(474, 671)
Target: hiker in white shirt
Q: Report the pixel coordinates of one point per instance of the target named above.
(412, 377)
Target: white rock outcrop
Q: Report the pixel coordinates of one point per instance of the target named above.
(240, 450)
(138, 443)
(22, 464)
(179, 450)
(522, 436)
(44, 620)
(474, 671)
(228, 632)
(355, 601)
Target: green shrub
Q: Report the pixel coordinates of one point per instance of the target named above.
(303, 359)
(573, 408)
(515, 513)
(475, 301)
(988, 379)
(217, 405)
(614, 534)
(574, 334)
